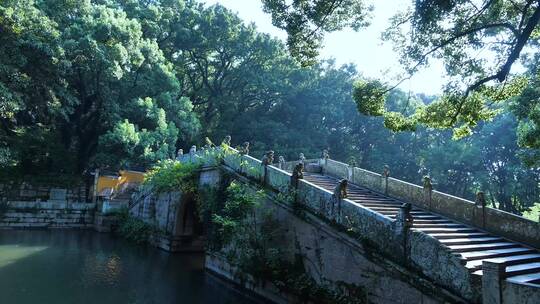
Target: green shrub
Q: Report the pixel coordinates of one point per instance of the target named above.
(172, 175)
(134, 229)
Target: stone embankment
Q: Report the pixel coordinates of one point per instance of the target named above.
(48, 214)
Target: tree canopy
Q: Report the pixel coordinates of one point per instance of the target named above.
(478, 41)
(125, 83)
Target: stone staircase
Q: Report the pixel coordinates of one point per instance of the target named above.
(469, 243)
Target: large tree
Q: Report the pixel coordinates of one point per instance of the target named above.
(76, 76)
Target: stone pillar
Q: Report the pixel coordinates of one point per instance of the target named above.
(428, 189)
(404, 223)
(302, 159)
(192, 153)
(180, 155)
(385, 174)
(281, 162)
(494, 273)
(267, 159)
(324, 160)
(479, 216)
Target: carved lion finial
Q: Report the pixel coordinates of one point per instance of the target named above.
(405, 215)
(244, 149)
(480, 199)
(227, 140)
(325, 154)
(268, 158)
(427, 183)
(340, 191)
(386, 171)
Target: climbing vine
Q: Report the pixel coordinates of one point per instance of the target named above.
(248, 236)
(172, 175)
(133, 229)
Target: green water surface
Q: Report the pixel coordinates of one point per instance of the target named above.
(77, 267)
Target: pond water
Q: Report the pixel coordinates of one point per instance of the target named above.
(87, 267)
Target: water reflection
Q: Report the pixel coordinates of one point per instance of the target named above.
(86, 267)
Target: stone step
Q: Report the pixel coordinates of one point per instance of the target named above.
(417, 217)
(393, 210)
(495, 253)
(450, 235)
(369, 199)
(449, 229)
(470, 241)
(358, 191)
(385, 204)
(437, 225)
(510, 260)
(426, 217)
(533, 278)
(428, 221)
(518, 270)
(486, 246)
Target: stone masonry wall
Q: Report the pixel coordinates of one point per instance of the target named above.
(335, 259)
(60, 214)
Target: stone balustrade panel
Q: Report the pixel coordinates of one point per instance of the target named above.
(514, 227)
(335, 168)
(437, 262)
(452, 206)
(368, 179)
(406, 191)
(277, 179)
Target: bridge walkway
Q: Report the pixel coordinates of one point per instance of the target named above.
(471, 244)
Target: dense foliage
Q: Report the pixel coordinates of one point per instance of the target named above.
(125, 83)
(245, 232)
(478, 41)
(133, 229)
(172, 175)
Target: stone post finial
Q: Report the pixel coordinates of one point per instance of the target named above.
(227, 140)
(427, 183)
(193, 150)
(428, 190)
(352, 161)
(479, 215)
(298, 173)
(385, 174)
(281, 162)
(340, 192)
(480, 200)
(325, 154)
(268, 158)
(179, 154)
(405, 215)
(244, 150)
(386, 171)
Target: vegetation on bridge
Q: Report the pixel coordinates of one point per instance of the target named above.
(247, 236)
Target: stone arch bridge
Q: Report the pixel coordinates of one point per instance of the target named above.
(417, 245)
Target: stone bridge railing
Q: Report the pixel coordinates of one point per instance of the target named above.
(387, 236)
(498, 222)
(412, 247)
